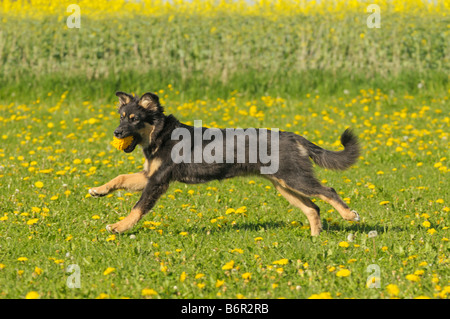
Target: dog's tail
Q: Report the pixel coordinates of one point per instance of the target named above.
(340, 160)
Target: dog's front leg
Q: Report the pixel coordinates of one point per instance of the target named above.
(131, 182)
(152, 192)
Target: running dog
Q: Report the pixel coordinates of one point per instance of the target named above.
(144, 119)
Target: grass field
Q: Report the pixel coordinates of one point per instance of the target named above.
(236, 238)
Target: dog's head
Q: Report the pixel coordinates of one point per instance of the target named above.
(138, 118)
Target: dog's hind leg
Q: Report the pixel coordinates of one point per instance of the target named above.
(130, 182)
(330, 196)
(313, 188)
(311, 210)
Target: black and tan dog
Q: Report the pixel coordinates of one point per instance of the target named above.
(144, 119)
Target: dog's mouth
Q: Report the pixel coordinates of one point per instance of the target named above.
(133, 145)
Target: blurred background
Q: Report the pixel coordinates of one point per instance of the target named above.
(209, 48)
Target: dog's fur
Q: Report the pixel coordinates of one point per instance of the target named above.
(144, 119)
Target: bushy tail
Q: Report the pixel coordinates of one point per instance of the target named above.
(335, 160)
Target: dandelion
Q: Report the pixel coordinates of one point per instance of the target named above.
(247, 276)
(22, 259)
(413, 278)
(108, 271)
(32, 295)
(122, 143)
(392, 290)
(37, 270)
(322, 295)
(343, 273)
(32, 221)
(229, 265)
(229, 211)
(219, 283)
(372, 234)
(344, 244)
(283, 261)
(146, 292)
(39, 184)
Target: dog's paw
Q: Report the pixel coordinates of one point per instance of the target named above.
(96, 192)
(356, 218)
(119, 227)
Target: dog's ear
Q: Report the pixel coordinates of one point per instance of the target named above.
(124, 98)
(150, 101)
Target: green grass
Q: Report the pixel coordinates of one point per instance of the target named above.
(66, 233)
(313, 75)
(213, 56)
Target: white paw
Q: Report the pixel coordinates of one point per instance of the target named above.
(92, 192)
(357, 218)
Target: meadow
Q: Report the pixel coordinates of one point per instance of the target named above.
(313, 69)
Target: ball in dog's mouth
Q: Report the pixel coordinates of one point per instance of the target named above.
(122, 144)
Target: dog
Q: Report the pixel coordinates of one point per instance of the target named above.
(144, 119)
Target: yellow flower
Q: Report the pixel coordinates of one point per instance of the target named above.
(413, 278)
(111, 238)
(109, 270)
(392, 290)
(322, 295)
(219, 283)
(22, 259)
(283, 261)
(343, 244)
(247, 276)
(148, 292)
(183, 276)
(32, 221)
(39, 184)
(122, 143)
(32, 295)
(229, 211)
(229, 265)
(426, 224)
(343, 273)
(37, 270)
(384, 202)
